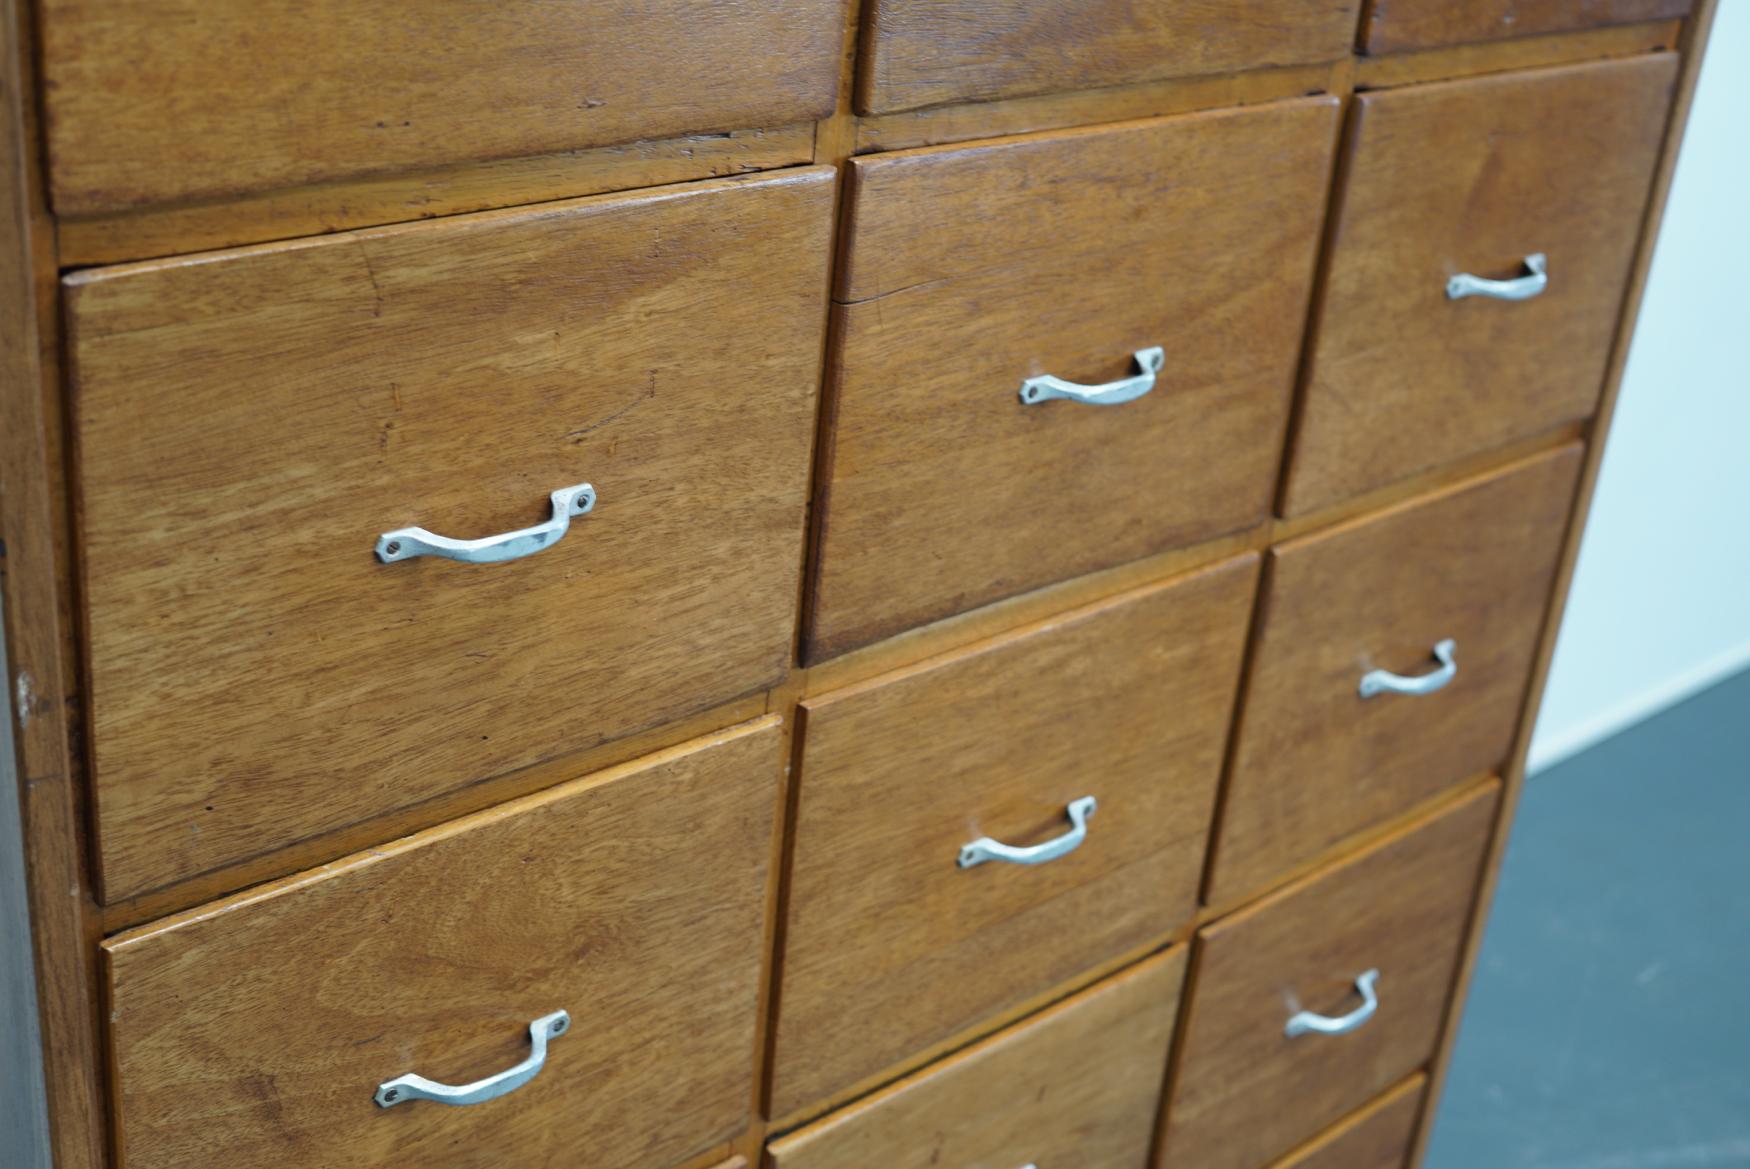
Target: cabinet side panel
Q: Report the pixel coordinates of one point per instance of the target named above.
(24, 1106)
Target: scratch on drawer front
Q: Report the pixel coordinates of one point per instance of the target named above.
(24, 697)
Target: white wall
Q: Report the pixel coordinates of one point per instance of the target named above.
(1661, 601)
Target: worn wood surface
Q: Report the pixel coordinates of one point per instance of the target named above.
(1396, 25)
(1313, 761)
(255, 1032)
(1693, 48)
(1376, 1137)
(965, 121)
(396, 198)
(41, 660)
(24, 1099)
(890, 947)
(1473, 176)
(971, 269)
(930, 52)
(1076, 1086)
(1449, 62)
(1244, 1091)
(249, 424)
(180, 100)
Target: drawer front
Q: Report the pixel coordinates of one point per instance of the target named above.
(1472, 177)
(930, 52)
(1315, 761)
(260, 1032)
(1396, 25)
(250, 423)
(1246, 1090)
(375, 87)
(973, 269)
(1380, 1136)
(1079, 1085)
(891, 947)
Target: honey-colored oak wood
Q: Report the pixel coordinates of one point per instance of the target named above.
(40, 668)
(1396, 25)
(1449, 62)
(1075, 1086)
(1473, 176)
(179, 100)
(256, 1031)
(250, 422)
(930, 52)
(966, 121)
(1244, 1091)
(1693, 48)
(1314, 760)
(1376, 1137)
(971, 269)
(890, 947)
(395, 198)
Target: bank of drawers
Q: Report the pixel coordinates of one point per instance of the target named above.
(1237, 815)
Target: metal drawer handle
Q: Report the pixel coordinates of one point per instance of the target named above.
(1045, 387)
(407, 543)
(1307, 1021)
(1385, 682)
(411, 1087)
(1519, 288)
(985, 849)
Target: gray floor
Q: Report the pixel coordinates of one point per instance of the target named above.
(1609, 1023)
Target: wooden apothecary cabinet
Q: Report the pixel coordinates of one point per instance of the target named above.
(810, 585)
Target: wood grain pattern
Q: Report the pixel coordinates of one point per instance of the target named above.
(889, 946)
(1473, 176)
(971, 269)
(256, 1031)
(1313, 761)
(964, 122)
(1449, 62)
(372, 201)
(176, 100)
(1376, 1137)
(250, 422)
(1396, 25)
(1244, 1091)
(929, 52)
(41, 660)
(1693, 48)
(1076, 1086)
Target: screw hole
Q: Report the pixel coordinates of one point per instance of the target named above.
(393, 548)
(392, 1094)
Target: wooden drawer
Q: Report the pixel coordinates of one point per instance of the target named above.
(1396, 25)
(974, 268)
(259, 1031)
(891, 948)
(250, 422)
(1472, 177)
(190, 99)
(1245, 1090)
(1379, 1136)
(1077, 1086)
(938, 51)
(1314, 760)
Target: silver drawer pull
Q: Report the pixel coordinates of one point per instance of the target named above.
(411, 1087)
(407, 543)
(1308, 1021)
(985, 849)
(1385, 682)
(1045, 387)
(1524, 287)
